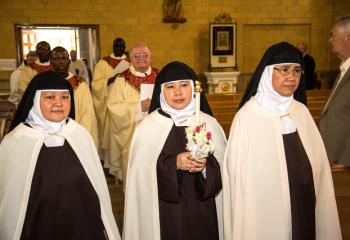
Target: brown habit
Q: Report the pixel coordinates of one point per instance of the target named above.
(186, 200)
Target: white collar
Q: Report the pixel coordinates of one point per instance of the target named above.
(70, 75)
(51, 130)
(42, 64)
(181, 117)
(119, 58)
(140, 74)
(345, 65)
(268, 98)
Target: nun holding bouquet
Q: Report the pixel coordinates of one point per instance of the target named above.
(177, 131)
(200, 142)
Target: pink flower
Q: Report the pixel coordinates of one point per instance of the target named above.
(209, 135)
(198, 129)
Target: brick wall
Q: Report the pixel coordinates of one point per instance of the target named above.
(259, 24)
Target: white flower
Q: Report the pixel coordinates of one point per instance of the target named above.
(199, 141)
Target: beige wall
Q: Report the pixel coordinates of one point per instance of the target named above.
(259, 24)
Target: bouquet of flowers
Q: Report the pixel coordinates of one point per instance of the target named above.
(199, 141)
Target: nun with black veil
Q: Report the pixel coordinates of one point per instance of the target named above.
(168, 194)
(52, 184)
(277, 182)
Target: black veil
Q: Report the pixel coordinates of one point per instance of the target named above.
(171, 72)
(282, 52)
(43, 80)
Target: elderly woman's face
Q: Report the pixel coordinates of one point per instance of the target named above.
(286, 78)
(178, 94)
(55, 105)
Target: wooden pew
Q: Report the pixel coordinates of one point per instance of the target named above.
(224, 106)
(7, 111)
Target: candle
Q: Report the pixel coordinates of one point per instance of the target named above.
(197, 90)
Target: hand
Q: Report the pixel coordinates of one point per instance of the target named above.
(185, 163)
(145, 105)
(111, 79)
(199, 165)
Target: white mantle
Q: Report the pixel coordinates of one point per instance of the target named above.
(222, 82)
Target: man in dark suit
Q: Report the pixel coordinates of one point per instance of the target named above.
(310, 75)
(335, 117)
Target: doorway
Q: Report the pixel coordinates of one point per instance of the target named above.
(82, 38)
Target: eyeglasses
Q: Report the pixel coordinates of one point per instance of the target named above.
(285, 71)
(140, 55)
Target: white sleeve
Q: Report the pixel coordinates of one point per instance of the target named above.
(204, 172)
(139, 115)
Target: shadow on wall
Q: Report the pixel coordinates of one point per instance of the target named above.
(201, 51)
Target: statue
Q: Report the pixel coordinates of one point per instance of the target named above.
(172, 10)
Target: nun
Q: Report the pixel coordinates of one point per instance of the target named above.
(52, 184)
(277, 182)
(168, 194)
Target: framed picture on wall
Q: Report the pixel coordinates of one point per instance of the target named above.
(222, 45)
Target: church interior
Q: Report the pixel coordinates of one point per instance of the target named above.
(255, 25)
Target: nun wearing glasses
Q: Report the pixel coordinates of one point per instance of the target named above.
(277, 182)
(52, 184)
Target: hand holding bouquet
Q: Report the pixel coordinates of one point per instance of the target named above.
(199, 141)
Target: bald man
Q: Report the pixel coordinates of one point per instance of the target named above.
(335, 117)
(125, 108)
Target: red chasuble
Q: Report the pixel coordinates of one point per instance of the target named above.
(136, 81)
(75, 81)
(113, 62)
